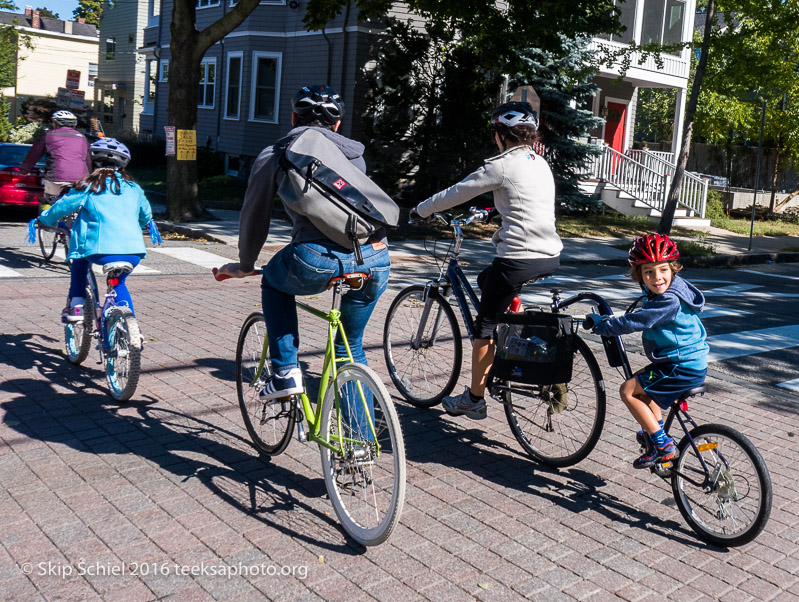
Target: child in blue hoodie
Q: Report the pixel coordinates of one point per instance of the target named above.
(111, 213)
(673, 340)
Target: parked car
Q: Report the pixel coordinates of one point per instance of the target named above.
(17, 190)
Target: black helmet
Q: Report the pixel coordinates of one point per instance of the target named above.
(509, 114)
(320, 102)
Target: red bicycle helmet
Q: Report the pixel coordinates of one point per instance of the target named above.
(652, 248)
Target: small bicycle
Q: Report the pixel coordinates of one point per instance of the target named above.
(423, 348)
(115, 329)
(353, 422)
(720, 481)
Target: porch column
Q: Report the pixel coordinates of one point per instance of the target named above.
(679, 118)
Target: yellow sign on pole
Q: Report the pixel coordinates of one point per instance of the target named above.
(187, 145)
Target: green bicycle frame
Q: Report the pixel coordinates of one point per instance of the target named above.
(329, 374)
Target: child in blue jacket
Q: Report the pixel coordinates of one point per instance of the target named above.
(673, 339)
(112, 211)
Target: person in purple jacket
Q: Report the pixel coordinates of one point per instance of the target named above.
(68, 156)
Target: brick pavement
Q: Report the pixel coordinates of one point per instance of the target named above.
(168, 483)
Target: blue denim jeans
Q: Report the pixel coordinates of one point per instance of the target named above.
(305, 269)
(79, 277)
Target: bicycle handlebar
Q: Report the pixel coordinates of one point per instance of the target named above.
(477, 215)
(220, 277)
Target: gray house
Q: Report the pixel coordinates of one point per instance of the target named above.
(249, 77)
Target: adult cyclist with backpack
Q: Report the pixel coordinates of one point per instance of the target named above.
(68, 157)
(306, 265)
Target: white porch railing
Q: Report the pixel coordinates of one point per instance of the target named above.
(647, 177)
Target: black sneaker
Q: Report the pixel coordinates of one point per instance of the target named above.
(657, 455)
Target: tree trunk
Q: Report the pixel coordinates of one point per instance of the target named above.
(667, 217)
(186, 51)
(772, 206)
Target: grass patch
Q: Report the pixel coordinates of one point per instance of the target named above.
(612, 225)
(763, 227)
(215, 188)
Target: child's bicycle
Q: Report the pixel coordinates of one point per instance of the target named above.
(115, 329)
(557, 425)
(720, 481)
(353, 422)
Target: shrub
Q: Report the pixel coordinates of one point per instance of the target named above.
(220, 180)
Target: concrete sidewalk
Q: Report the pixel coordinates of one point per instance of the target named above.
(730, 248)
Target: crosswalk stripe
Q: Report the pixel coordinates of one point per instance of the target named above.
(770, 275)
(791, 385)
(98, 269)
(195, 256)
(737, 344)
(6, 272)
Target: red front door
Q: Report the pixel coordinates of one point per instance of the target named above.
(614, 126)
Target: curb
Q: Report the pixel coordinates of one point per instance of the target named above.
(716, 261)
(186, 231)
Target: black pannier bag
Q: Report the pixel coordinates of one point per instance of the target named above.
(534, 348)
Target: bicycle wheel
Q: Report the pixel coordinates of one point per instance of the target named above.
(123, 361)
(559, 426)
(366, 478)
(48, 240)
(78, 335)
(269, 422)
(426, 371)
(732, 508)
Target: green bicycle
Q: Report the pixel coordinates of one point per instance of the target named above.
(353, 422)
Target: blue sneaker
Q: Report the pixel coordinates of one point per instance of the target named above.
(657, 455)
(283, 385)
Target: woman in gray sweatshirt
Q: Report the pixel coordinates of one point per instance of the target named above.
(528, 247)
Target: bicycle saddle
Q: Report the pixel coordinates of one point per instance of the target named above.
(695, 391)
(354, 280)
(117, 266)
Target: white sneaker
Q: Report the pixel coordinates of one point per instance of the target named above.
(283, 385)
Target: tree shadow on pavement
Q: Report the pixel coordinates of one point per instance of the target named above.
(64, 404)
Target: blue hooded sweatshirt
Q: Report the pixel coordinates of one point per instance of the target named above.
(670, 325)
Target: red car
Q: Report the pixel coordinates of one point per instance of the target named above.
(17, 190)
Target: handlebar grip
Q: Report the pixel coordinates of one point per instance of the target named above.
(220, 277)
(588, 323)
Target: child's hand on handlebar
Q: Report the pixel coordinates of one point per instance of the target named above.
(415, 218)
(231, 270)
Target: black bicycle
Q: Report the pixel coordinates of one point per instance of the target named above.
(557, 425)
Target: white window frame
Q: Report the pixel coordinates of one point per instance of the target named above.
(147, 104)
(239, 55)
(207, 4)
(256, 55)
(163, 70)
(211, 60)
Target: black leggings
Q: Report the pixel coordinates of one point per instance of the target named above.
(501, 282)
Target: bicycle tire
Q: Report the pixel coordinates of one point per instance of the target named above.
(123, 362)
(48, 241)
(420, 375)
(727, 515)
(269, 422)
(78, 335)
(559, 433)
(367, 490)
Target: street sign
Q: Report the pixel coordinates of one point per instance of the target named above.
(73, 78)
(76, 99)
(169, 131)
(63, 98)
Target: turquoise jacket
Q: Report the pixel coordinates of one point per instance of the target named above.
(107, 223)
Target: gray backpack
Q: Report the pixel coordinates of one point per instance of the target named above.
(339, 199)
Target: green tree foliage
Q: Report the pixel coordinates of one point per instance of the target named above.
(432, 91)
(654, 117)
(46, 12)
(428, 106)
(91, 10)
